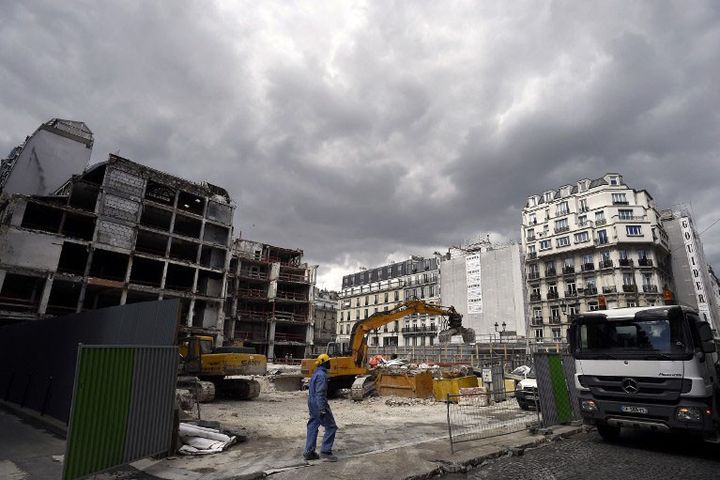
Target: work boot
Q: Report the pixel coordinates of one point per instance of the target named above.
(311, 456)
(328, 456)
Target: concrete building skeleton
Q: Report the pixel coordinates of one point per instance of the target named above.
(270, 299)
(596, 241)
(121, 232)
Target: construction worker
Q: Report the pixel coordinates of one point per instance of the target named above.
(320, 413)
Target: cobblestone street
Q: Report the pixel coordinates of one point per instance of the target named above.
(637, 456)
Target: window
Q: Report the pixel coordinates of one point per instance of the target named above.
(562, 208)
(571, 288)
(563, 241)
(550, 268)
(386, 297)
(587, 259)
(538, 334)
(568, 262)
(643, 254)
(556, 334)
(532, 201)
(555, 314)
(582, 220)
(366, 313)
(623, 254)
(537, 314)
(548, 196)
(602, 237)
(583, 205)
(582, 237)
(614, 180)
(592, 306)
(544, 244)
(599, 217)
(634, 231)
(552, 289)
(533, 219)
(530, 234)
(397, 295)
(605, 256)
(628, 279)
(619, 199)
(531, 250)
(572, 310)
(561, 225)
(625, 214)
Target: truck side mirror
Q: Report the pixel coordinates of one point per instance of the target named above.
(707, 342)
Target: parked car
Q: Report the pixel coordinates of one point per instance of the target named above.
(526, 391)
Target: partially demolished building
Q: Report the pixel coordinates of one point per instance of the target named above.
(121, 232)
(270, 298)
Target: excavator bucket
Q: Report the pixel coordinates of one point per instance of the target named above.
(455, 328)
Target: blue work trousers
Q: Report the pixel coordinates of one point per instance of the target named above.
(328, 423)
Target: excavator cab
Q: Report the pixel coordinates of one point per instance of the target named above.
(338, 349)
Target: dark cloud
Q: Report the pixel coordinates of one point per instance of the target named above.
(364, 132)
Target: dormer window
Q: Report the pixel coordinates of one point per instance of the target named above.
(613, 180)
(532, 201)
(548, 196)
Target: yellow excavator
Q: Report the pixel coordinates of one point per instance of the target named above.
(349, 369)
(220, 370)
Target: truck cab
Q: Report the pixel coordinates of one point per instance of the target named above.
(653, 368)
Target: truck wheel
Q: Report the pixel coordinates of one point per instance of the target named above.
(608, 433)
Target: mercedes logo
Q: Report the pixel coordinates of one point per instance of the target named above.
(629, 385)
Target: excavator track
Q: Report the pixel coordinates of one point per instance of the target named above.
(237, 388)
(362, 387)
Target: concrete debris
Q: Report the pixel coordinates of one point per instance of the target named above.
(199, 440)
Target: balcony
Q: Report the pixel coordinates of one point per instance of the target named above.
(650, 288)
(533, 275)
(562, 229)
(626, 263)
(609, 290)
(530, 238)
(630, 218)
(606, 264)
(535, 297)
(591, 290)
(532, 255)
(552, 295)
(588, 267)
(629, 288)
(568, 270)
(536, 322)
(645, 262)
(602, 221)
(570, 293)
(550, 272)
(419, 330)
(555, 321)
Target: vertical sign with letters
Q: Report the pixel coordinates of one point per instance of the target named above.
(474, 284)
(695, 269)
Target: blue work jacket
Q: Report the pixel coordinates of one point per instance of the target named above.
(317, 391)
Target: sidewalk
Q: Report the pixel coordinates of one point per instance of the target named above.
(418, 461)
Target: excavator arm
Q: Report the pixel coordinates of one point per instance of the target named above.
(360, 329)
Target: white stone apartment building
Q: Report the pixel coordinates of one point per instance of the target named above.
(382, 288)
(594, 243)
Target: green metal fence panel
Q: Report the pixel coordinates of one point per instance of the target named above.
(98, 418)
(556, 388)
(122, 407)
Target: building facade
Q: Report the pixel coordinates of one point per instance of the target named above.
(270, 299)
(118, 233)
(43, 163)
(381, 289)
(695, 283)
(485, 283)
(324, 318)
(589, 245)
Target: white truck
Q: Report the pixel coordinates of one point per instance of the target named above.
(653, 368)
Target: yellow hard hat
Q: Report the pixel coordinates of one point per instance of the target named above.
(322, 358)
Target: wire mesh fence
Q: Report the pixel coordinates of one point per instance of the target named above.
(478, 415)
(556, 388)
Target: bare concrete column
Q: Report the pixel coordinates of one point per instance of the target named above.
(124, 294)
(2, 278)
(45, 298)
(271, 340)
(190, 313)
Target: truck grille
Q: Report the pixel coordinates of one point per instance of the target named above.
(648, 389)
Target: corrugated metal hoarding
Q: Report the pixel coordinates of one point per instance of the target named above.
(122, 407)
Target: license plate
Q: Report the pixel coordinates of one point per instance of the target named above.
(634, 409)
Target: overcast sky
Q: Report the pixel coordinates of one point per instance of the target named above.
(364, 132)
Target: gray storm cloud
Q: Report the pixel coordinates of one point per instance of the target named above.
(370, 130)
